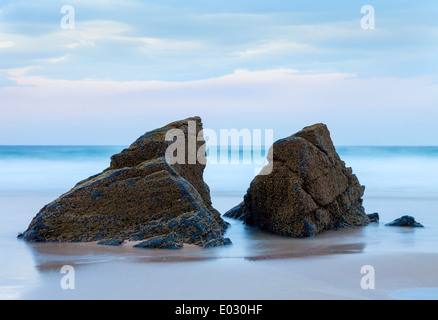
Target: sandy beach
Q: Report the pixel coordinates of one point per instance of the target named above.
(189, 276)
(258, 266)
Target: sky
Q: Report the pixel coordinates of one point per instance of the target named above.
(130, 66)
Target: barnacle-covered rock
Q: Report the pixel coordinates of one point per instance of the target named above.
(306, 188)
(138, 197)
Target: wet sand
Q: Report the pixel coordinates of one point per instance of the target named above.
(257, 266)
(188, 276)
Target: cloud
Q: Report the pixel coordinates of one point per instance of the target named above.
(276, 47)
(86, 34)
(166, 46)
(56, 60)
(89, 49)
(187, 40)
(374, 111)
(6, 44)
(288, 88)
(16, 73)
(89, 33)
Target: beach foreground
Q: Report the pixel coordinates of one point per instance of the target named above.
(257, 266)
(315, 277)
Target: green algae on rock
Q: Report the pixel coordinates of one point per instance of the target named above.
(140, 196)
(309, 189)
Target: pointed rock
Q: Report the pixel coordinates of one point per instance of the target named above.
(139, 196)
(309, 189)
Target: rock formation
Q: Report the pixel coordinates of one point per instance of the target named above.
(140, 196)
(405, 221)
(309, 189)
(374, 217)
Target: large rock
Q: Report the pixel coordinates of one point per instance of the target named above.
(304, 190)
(140, 196)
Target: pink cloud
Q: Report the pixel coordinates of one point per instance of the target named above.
(282, 99)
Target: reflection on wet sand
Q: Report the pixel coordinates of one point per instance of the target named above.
(335, 249)
(249, 244)
(257, 266)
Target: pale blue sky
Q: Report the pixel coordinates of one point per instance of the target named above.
(130, 66)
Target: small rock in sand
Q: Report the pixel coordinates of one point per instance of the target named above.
(405, 221)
